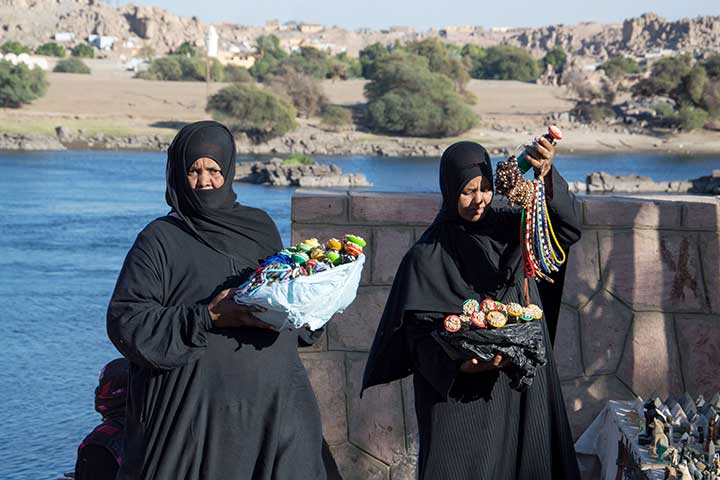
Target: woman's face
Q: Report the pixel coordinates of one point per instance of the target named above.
(475, 198)
(205, 174)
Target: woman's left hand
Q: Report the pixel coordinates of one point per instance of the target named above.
(540, 155)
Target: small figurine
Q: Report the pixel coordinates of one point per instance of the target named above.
(660, 440)
(646, 438)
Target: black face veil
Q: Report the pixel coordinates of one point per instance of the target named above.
(453, 260)
(214, 217)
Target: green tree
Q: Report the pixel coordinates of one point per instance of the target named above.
(712, 66)
(505, 62)
(51, 49)
(71, 65)
(369, 55)
(186, 49)
(308, 60)
(83, 50)
(253, 111)
(406, 98)
(182, 68)
(665, 78)
(556, 57)
(270, 54)
(474, 57)
(350, 67)
(302, 90)
(441, 59)
(20, 85)
(711, 98)
(11, 46)
(618, 67)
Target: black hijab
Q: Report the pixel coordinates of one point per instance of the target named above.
(452, 261)
(213, 216)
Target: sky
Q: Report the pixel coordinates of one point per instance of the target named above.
(424, 14)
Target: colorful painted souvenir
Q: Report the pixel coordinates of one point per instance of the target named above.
(534, 311)
(496, 319)
(514, 309)
(303, 247)
(312, 242)
(452, 323)
(333, 256)
(478, 319)
(471, 305)
(356, 240)
(300, 258)
(353, 249)
(333, 244)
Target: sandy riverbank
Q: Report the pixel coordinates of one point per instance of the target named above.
(110, 110)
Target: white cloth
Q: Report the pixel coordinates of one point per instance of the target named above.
(308, 300)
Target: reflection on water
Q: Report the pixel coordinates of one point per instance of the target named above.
(67, 220)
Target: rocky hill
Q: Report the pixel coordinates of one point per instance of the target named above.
(36, 21)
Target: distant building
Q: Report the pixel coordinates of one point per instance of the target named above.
(311, 28)
(101, 42)
(30, 61)
(272, 25)
(459, 29)
(500, 29)
(240, 59)
(402, 29)
(64, 37)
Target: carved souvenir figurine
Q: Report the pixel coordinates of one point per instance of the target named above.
(660, 441)
(684, 472)
(646, 438)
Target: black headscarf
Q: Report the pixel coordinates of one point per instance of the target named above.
(244, 233)
(452, 261)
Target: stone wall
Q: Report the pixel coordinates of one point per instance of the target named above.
(640, 314)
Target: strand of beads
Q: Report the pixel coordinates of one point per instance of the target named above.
(541, 251)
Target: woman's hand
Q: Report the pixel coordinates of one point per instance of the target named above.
(225, 313)
(476, 366)
(540, 155)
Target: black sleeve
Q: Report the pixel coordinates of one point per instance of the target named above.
(563, 210)
(307, 337)
(429, 359)
(95, 463)
(141, 328)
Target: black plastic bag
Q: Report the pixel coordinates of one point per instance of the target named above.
(522, 343)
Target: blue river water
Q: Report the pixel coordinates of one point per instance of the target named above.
(66, 221)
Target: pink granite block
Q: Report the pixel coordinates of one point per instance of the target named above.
(394, 208)
(568, 357)
(393, 243)
(582, 278)
(586, 397)
(699, 341)
(651, 364)
(320, 206)
(354, 329)
(377, 425)
(702, 215)
(653, 270)
(617, 212)
(327, 376)
(604, 324)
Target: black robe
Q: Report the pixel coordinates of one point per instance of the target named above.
(206, 403)
(203, 402)
(474, 426)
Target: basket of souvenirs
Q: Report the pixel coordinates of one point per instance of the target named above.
(305, 285)
(488, 328)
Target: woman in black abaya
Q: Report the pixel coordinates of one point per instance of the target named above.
(472, 425)
(213, 393)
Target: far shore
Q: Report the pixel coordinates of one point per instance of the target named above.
(109, 110)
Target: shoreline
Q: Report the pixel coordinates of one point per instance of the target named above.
(311, 140)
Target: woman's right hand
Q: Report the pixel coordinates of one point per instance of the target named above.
(225, 313)
(476, 366)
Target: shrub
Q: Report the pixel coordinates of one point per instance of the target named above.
(302, 90)
(250, 110)
(298, 159)
(618, 67)
(83, 50)
(71, 65)
(51, 49)
(343, 66)
(309, 61)
(693, 84)
(236, 73)
(334, 117)
(20, 85)
(555, 57)
(441, 59)
(474, 57)
(711, 98)
(269, 57)
(11, 46)
(186, 49)
(182, 68)
(712, 66)
(405, 97)
(592, 113)
(666, 76)
(505, 62)
(690, 118)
